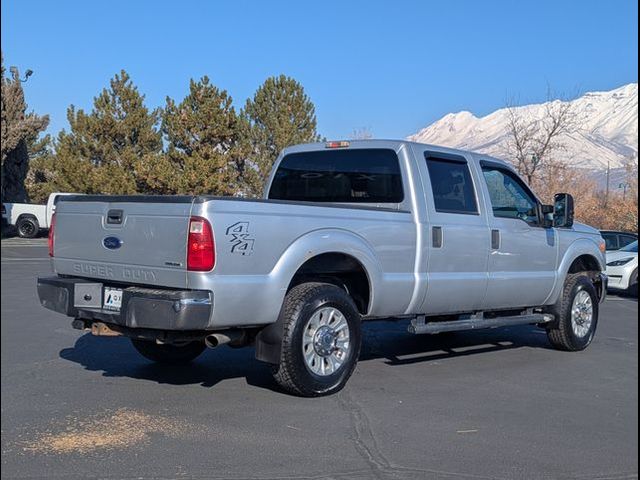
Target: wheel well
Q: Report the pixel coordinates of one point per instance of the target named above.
(339, 269)
(585, 263)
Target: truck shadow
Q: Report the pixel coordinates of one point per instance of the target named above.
(387, 340)
(390, 340)
(116, 357)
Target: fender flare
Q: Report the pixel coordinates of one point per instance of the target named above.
(27, 215)
(577, 249)
(304, 248)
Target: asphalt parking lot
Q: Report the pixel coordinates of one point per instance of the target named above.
(487, 404)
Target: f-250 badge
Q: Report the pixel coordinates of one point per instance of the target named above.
(240, 241)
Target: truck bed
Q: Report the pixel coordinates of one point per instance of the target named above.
(255, 246)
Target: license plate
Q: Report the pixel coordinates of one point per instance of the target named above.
(112, 298)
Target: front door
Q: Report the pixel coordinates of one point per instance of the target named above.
(524, 254)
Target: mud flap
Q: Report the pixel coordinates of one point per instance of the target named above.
(269, 343)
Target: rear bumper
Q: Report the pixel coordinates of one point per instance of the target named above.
(150, 308)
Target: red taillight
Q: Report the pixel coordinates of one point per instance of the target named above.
(201, 249)
(51, 233)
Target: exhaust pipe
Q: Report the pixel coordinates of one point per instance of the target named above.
(216, 339)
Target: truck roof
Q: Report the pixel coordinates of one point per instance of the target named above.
(393, 144)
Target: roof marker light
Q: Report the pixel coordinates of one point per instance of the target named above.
(341, 144)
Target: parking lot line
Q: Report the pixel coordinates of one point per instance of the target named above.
(7, 244)
(27, 259)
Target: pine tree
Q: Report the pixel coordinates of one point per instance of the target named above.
(203, 140)
(39, 181)
(19, 129)
(105, 150)
(279, 114)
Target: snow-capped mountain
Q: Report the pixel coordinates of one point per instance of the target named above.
(607, 132)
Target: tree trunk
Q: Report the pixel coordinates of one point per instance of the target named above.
(14, 172)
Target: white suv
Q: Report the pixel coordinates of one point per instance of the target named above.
(622, 268)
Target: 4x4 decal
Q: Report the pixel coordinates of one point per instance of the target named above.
(240, 241)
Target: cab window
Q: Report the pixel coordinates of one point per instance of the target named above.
(452, 186)
(510, 198)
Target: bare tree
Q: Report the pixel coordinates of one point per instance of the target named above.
(533, 142)
(362, 133)
(630, 186)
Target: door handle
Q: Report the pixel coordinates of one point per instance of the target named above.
(436, 237)
(495, 239)
(114, 217)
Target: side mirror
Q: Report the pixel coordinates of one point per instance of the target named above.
(547, 215)
(563, 210)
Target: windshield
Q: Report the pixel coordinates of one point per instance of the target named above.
(632, 247)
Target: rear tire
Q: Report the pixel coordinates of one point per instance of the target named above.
(166, 353)
(321, 340)
(576, 314)
(27, 227)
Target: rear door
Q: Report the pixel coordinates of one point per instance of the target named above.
(457, 234)
(524, 254)
(136, 240)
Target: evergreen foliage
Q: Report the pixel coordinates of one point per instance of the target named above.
(106, 150)
(279, 114)
(199, 145)
(39, 181)
(203, 138)
(19, 129)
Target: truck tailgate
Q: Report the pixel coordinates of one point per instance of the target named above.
(137, 240)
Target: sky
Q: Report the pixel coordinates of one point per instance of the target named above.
(389, 67)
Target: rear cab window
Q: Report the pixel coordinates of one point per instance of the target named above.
(368, 175)
(451, 185)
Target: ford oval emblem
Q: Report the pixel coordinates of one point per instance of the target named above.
(112, 243)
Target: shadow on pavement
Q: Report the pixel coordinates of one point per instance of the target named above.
(390, 340)
(631, 294)
(116, 357)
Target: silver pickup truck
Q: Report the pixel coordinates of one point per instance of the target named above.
(346, 232)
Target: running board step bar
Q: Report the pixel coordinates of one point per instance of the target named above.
(419, 325)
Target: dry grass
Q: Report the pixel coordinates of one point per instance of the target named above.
(120, 429)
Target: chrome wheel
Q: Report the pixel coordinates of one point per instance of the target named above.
(581, 314)
(325, 342)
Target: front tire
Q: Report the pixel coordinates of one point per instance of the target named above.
(321, 340)
(27, 227)
(576, 315)
(166, 353)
